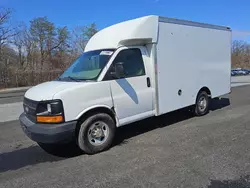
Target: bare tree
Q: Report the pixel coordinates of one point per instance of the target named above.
(82, 35)
(38, 52)
(6, 35)
(5, 30)
(48, 38)
(42, 32)
(18, 42)
(240, 54)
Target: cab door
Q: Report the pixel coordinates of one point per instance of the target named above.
(133, 94)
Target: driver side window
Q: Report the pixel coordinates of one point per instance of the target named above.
(132, 63)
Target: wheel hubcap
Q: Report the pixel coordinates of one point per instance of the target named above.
(202, 104)
(98, 133)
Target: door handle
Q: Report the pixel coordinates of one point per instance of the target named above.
(148, 82)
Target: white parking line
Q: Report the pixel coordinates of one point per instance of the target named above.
(11, 111)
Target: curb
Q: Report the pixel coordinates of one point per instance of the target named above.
(14, 90)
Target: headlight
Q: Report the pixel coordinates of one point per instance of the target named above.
(50, 112)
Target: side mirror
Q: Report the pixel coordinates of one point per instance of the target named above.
(119, 71)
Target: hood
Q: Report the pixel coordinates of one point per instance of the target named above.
(47, 90)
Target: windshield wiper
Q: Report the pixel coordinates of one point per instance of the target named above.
(68, 77)
(74, 79)
(58, 78)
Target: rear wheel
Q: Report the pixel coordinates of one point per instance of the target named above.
(96, 133)
(202, 104)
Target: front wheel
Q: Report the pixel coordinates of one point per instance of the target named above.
(202, 104)
(96, 133)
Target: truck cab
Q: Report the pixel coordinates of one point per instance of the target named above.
(106, 87)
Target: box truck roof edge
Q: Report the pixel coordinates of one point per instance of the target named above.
(143, 30)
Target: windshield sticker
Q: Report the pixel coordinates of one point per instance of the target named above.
(106, 53)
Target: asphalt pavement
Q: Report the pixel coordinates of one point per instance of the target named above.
(174, 150)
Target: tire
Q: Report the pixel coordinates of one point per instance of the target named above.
(202, 108)
(93, 137)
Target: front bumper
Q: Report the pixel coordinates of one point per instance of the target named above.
(48, 133)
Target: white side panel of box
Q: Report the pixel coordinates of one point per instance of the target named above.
(188, 59)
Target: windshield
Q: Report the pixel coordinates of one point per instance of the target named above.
(88, 66)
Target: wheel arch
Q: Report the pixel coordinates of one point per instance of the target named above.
(206, 89)
(93, 110)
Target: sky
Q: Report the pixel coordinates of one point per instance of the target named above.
(71, 13)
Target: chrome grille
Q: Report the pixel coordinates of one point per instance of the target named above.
(30, 108)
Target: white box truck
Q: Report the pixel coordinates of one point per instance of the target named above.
(130, 71)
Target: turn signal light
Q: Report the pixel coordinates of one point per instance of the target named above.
(49, 119)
